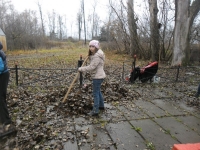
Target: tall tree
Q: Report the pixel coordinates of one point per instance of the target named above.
(83, 10)
(79, 20)
(4, 8)
(41, 18)
(184, 18)
(93, 17)
(60, 24)
(134, 46)
(154, 29)
(52, 24)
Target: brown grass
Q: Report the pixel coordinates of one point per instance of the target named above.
(65, 57)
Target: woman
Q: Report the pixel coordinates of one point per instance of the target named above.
(5, 120)
(96, 67)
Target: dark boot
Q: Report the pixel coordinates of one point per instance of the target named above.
(196, 95)
(92, 113)
(101, 108)
(7, 130)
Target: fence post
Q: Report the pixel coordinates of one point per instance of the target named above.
(80, 62)
(177, 72)
(133, 67)
(16, 73)
(123, 72)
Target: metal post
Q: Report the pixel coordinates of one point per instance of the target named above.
(134, 61)
(177, 72)
(123, 72)
(16, 73)
(80, 62)
(133, 67)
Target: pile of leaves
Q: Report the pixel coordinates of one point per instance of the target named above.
(40, 116)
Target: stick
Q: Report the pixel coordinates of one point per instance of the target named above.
(69, 89)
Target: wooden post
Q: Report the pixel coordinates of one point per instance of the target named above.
(16, 73)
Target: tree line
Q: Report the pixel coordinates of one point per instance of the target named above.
(160, 30)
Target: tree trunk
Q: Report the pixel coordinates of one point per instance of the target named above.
(134, 48)
(154, 30)
(83, 9)
(41, 17)
(184, 18)
(79, 20)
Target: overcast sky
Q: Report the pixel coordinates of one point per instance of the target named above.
(62, 7)
(67, 8)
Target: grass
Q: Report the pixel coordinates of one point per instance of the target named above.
(45, 58)
(150, 146)
(138, 129)
(59, 58)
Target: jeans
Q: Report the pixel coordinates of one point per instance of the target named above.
(98, 97)
(4, 115)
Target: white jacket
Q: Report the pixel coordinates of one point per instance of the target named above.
(96, 65)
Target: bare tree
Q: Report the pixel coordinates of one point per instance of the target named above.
(93, 17)
(119, 27)
(60, 24)
(52, 24)
(166, 33)
(96, 26)
(4, 8)
(41, 18)
(83, 10)
(79, 21)
(184, 18)
(154, 29)
(134, 46)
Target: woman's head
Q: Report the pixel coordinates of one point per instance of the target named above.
(94, 46)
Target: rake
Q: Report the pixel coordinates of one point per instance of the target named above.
(71, 85)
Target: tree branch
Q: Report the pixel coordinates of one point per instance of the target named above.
(194, 9)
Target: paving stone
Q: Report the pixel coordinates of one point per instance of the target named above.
(192, 88)
(186, 108)
(191, 121)
(139, 90)
(93, 136)
(159, 93)
(196, 114)
(69, 145)
(82, 132)
(125, 137)
(169, 107)
(153, 133)
(112, 115)
(132, 112)
(156, 93)
(172, 93)
(150, 109)
(102, 139)
(81, 121)
(178, 130)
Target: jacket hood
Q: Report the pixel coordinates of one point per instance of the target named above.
(100, 54)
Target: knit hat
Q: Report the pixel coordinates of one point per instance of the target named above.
(94, 43)
(1, 46)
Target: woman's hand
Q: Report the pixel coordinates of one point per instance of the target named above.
(79, 69)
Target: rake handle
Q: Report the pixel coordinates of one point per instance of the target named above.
(69, 89)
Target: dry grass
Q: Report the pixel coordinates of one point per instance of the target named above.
(62, 58)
